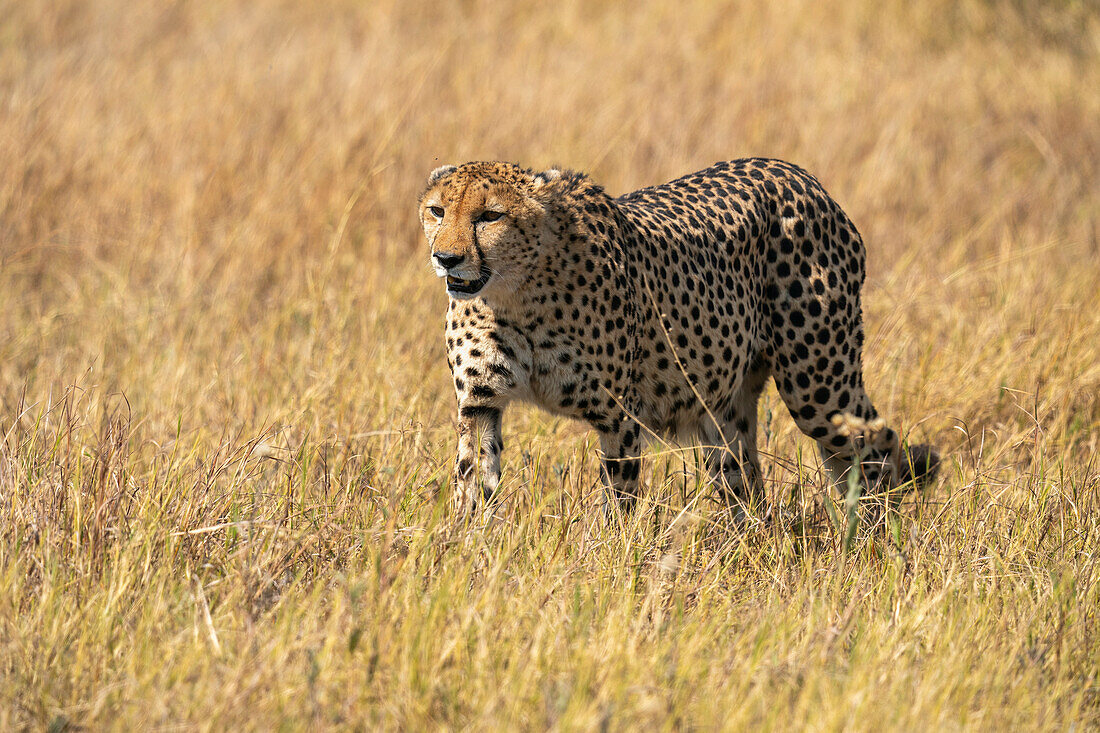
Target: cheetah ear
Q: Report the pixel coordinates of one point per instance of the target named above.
(547, 176)
(443, 170)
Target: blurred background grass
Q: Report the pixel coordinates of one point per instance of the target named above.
(227, 417)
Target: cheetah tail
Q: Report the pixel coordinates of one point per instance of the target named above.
(919, 464)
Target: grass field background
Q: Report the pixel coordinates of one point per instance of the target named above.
(226, 419)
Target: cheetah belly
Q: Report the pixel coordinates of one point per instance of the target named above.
(556, 387)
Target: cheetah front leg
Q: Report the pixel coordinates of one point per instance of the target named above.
(477, 466)
(621, 464)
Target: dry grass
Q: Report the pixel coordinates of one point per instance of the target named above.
(226, 417)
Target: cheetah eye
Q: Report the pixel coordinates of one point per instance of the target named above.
(488, 216)
(437, 211)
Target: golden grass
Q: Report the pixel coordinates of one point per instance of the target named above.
(227, 422)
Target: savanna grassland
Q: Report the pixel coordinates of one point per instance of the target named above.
(227, 426)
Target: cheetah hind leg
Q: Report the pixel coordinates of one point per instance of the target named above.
(829, 403)
(918, 464)
(884, 464)
(620, 466)
(731, 457)
(735, 473)
(854, 437)
(732, 464)
(888, 472)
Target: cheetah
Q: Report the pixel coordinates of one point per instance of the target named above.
(662, 312)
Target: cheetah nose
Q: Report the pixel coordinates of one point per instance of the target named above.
(449, 259)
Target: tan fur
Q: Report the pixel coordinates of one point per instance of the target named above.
(664, 310)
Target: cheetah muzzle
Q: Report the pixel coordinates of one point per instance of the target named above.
(663, 311)
(460, 287)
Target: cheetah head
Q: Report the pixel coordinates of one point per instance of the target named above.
(483, 222)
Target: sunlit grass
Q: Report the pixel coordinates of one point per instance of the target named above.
(227, 430)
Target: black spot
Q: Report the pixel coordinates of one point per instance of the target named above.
(476, 411)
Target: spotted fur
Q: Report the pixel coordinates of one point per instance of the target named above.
(664, 310)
